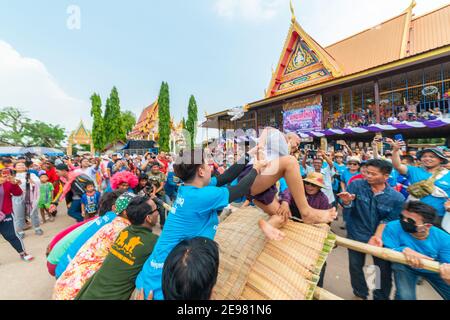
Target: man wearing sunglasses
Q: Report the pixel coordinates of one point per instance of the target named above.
(418, 239)
(116, 278)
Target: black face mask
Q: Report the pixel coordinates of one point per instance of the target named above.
(408, 226)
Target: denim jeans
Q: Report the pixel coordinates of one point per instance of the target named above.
(406, 280)
(75, 210)
(358, 281)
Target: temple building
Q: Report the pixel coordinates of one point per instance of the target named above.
(146, 128)
(392, 77)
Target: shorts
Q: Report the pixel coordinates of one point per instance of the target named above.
(266, 197)
(44, 205)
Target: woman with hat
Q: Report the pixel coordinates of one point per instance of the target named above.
(314, 183)
(430, 183)
(353, 166)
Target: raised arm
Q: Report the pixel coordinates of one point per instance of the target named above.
(396, 160)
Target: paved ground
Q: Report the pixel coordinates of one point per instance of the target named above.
(30, 281)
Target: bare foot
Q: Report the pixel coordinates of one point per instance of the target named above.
(270, 231)
(314, 216)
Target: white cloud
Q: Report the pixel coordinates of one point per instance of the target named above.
(27, 84)
(248, 9)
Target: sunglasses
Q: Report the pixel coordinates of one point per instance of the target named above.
(412, 221)
(353, 164)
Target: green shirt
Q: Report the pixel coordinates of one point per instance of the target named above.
(115, 280)
(64, 244)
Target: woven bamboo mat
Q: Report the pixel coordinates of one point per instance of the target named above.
(253, 268)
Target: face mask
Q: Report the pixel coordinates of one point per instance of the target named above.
(408, 226)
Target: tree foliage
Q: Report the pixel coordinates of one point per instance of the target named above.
(98, 132)
(191, 123)
(164, 118)
(113, 118)
(16, 129)
(128, 122)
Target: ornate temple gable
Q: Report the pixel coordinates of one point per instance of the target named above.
(147, 123)
(81, 134)
(303, 62)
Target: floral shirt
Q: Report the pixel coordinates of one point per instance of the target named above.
(88, 260)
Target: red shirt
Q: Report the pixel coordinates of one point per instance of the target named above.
(9, 190)
(354, 178)
(165, 165)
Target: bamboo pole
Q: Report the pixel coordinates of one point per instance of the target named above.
(383, 253)
(322, 294)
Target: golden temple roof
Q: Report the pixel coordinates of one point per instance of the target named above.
(398, 38)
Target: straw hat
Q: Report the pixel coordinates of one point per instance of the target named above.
(316, 179)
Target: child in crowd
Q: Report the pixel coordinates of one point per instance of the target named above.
(45, 197)
(90, 201)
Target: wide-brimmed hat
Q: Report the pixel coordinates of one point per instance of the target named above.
(316, 179)
(436, 151)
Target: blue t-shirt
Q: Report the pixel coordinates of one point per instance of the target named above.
(346, 175)
(393, 178)
(416, 174)
(72, 251)
(194, 214)
(436, 246)
(91, 202)
(339, 168)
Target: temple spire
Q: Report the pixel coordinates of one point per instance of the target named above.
(293, 18)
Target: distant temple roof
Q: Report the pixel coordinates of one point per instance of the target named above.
(304, 63)
(146, 121)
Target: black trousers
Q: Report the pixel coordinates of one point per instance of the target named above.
(382, 276)
(9, 233)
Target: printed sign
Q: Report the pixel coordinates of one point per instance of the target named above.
(303, 120)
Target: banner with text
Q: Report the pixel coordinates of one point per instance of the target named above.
(303, 120)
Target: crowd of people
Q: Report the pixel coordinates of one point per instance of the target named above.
(396, 199)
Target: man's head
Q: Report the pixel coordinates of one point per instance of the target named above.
(7, 162)
(191, 166)
(432, 158)
(417, 218)
(293, 141)
(191, 269)
(142, 211)
(317, 164)
(143, 179)
(108, 202)
(378, 171)
(155, 167)
(62, 170)
(122, 203)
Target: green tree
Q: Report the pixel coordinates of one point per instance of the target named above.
(191, 123)
(164, 117)
(113, 118)
(41, 134)
(183, 122)
(128, 122)
(98, 132)
(16, 129)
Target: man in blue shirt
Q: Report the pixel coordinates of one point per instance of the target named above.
(415, 236)
(432, 161)
(369, 205)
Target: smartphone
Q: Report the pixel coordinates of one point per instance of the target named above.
(399, 137)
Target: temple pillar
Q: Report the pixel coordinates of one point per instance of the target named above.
(69, 148)
(377, 101)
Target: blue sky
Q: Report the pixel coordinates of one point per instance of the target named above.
(221, 51)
